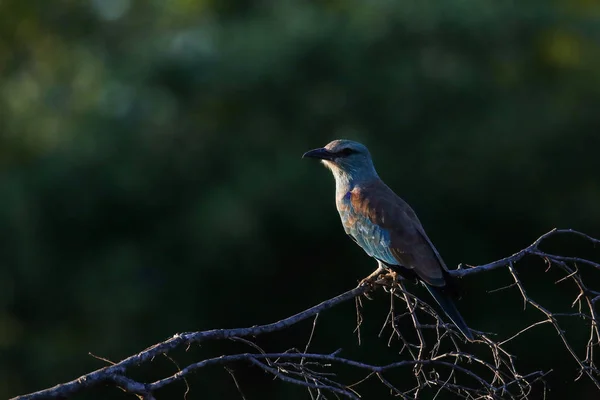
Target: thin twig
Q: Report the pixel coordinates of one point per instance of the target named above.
(442, 366)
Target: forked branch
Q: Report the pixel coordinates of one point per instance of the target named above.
(432, 354)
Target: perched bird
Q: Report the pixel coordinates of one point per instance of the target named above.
(383, 224)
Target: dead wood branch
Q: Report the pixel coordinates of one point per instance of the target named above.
(434, 357)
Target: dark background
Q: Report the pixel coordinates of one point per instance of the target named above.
(151, 180)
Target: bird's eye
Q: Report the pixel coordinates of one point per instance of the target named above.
(347, 151)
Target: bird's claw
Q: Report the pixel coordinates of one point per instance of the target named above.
(379, 277)
(369, 281)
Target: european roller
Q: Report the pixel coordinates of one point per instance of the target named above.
(383, 224)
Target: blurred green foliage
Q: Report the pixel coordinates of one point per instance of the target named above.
(151, 181)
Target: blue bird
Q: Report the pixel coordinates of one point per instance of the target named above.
(383, 224)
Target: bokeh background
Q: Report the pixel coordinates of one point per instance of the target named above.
(151, 180)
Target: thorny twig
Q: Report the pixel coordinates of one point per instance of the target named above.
(441, 366)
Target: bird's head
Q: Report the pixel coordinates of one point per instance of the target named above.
(345, 158)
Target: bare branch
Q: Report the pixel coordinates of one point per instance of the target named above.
(435, 358)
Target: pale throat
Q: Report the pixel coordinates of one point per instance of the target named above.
(343, 183)
(345, 180)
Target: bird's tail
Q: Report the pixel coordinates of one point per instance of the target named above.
(446, 303)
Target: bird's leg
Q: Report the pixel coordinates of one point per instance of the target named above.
(374, 275)
(372, 278)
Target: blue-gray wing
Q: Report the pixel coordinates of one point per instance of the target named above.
(388, 229)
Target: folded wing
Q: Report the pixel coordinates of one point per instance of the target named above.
(387, 228)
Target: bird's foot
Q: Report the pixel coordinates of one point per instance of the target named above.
(371, 279)
(381, 276)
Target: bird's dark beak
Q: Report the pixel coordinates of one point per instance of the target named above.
(321, 154)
